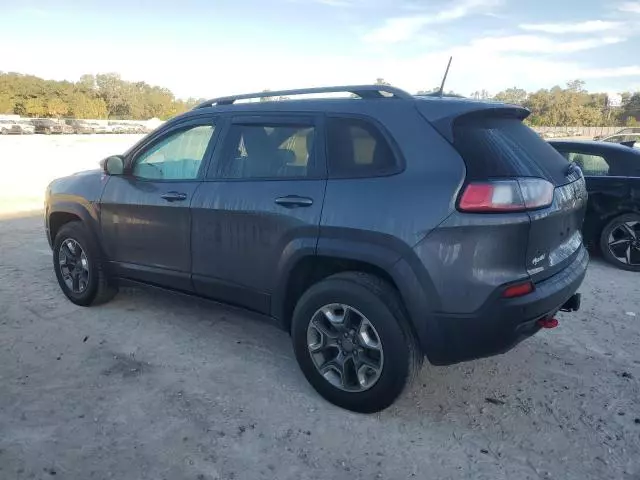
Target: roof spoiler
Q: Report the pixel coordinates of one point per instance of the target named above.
(443, 116)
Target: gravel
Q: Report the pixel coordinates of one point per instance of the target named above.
(161, 386)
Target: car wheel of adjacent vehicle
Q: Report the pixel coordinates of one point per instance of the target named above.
(620, 242)
(79, 267)
(353, 341)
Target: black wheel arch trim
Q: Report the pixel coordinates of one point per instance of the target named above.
(415, 287)
(86, 211)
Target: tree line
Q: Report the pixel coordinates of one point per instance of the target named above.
(572, 106)
(108, 96)
(93, 96)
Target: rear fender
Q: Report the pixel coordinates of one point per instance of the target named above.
(394, 257)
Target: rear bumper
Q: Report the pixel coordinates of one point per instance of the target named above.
(502, 323)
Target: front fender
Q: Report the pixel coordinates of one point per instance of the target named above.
(77, 195)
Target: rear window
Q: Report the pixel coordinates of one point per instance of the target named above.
(505, 147)
(356, 148)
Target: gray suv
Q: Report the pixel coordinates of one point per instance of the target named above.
(377, 229)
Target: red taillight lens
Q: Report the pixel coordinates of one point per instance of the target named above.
(518, 290)
(506, 195)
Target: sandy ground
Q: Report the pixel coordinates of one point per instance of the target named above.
(160, 386)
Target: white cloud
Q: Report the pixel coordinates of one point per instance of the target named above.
(399, 29)
(538, 44)
(336, 3)
(630, 7)
(582, 27)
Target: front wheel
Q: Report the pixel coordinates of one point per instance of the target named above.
(620, 242)
(79, 266)
(353, 342)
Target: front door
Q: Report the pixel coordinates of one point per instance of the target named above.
(259, 207)
(145, 218)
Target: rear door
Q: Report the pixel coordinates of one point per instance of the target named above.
(609, 184)
(496, 146)
(259, 207)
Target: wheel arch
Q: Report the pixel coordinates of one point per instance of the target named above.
(415, 290)
(62, 213)
(604, 220)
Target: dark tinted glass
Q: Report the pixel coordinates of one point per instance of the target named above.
(268, 151)
(357, 148)
(505, 147)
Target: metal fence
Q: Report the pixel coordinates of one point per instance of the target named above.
(578, 131)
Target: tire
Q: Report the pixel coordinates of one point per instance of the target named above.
(616, 230)
(379, 304)
(97, 286)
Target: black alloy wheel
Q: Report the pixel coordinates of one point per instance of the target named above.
(620, 242)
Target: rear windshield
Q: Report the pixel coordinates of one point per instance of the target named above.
(505, 147)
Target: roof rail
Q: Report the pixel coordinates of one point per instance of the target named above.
(363, 91)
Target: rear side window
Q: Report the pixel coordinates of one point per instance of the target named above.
(591, 165)
(357, 148)
(504, 147)
(268, 151)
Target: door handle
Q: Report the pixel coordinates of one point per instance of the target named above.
(293, 201)
(174, 196)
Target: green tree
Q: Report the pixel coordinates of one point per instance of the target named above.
(34, 107)
(56, 107)
(514, 95)
(84, 106)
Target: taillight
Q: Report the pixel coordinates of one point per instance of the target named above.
(513, 195)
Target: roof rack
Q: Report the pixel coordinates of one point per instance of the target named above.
(363, 91)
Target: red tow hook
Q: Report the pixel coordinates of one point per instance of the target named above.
(548, 323)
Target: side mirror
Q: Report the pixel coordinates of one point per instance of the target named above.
(113, 165)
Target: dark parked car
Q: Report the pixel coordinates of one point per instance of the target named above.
(79, 127)
(612, 173)
(627, 139)
(624, 131)
(13, 127)
(375, 229)
(47, 126)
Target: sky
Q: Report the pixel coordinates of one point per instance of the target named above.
(208, 48)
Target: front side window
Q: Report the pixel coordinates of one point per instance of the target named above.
(591, 165)
(268, 151)
(357, 148)
(177, 157)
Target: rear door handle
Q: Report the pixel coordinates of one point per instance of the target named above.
(174, 196)
(293, 201)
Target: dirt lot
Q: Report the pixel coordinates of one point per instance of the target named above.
(159, 386)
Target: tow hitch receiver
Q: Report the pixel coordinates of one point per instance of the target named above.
(573, 304)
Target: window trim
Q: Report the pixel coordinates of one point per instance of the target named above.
(400, 162)
(160, 135)
(214, 172)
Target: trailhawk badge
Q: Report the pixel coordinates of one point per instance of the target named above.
(537, 260)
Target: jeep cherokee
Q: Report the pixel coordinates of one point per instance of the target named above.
(377, 229)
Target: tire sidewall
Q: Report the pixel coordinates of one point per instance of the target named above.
(395, 370)
(604, 241)
(77, 231)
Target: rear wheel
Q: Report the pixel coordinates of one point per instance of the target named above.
(79, 267)
(620, 242)
(354, 343)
